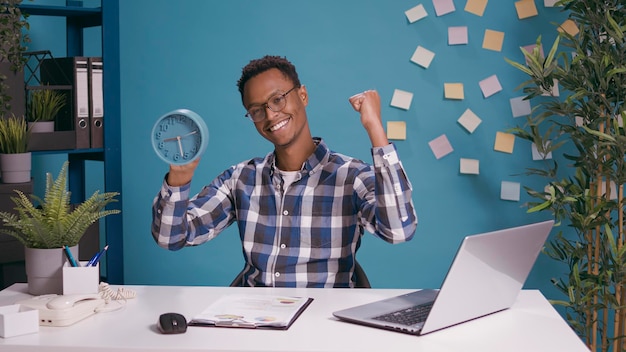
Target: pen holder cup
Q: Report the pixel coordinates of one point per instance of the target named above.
(81, 279)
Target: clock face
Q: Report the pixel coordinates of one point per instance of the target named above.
(179, 137)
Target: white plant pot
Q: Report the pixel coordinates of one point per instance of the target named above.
(15, 168)
(41, 126)
(44, 269)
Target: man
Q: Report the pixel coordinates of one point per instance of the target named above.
(302, 209)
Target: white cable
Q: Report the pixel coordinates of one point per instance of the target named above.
(120, 297)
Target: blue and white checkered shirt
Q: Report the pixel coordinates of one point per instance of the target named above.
(304, 235)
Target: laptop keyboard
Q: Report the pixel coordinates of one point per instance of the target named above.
(407, 316)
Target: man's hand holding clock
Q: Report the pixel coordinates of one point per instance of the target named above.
(179, 138)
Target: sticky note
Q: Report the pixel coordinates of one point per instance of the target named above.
(457, 35)
(416, 13)
(504, 142)
(531, 47)
(493, 40)
(469, 166)
(477, 7)
(440, 146)
(613, 189)
(469, 120)
(580, 121)
(554, 92)
(396, 130)
(422, 56)
(509, 190)
(526, 9)
(549, 3)
(453, 90)
(520, 107)
(401, 99)
(537, 155)
(490, 86)
(569, 26)
(443, 7)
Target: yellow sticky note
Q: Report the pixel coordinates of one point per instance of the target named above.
(504, 142)
(525, 9)
(396, 130)
(477, 7)
(453, 91)
(570, 27)
(493, 40)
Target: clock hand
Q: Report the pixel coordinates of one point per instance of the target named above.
(190, 133)
(179, 137)
(180, 146)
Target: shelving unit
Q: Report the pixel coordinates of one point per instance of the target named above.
(77, 19)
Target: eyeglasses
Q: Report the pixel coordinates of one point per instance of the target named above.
(275, 103)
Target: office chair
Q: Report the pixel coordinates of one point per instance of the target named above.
(361, 278)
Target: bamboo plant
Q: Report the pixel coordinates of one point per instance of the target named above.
(583, 129)
(52, 222)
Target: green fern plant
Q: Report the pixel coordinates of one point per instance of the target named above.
(53, 222)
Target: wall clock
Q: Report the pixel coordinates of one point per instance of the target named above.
(180, 137)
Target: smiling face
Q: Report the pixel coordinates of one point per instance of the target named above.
(287, 128)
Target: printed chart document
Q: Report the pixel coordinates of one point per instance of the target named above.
(252, 311)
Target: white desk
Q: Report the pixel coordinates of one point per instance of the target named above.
(531, 325)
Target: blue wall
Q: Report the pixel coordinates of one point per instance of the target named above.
(189, 54)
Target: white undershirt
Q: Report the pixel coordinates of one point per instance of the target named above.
(288, 177)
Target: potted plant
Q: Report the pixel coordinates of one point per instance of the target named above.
(12, 60)
(42, 107)
(583, 130)
(46, 225)
(15, 159)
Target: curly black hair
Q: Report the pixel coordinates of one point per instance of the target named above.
(263, 64)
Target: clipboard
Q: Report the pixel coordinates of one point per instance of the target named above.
(252, 312)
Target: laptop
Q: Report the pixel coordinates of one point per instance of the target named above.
(486, 276)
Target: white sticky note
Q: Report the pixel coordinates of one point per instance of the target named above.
(538, 155)
(457, 35)
(469, 121)
(443, 7)
(549, 3)
(520, 107)
(580, 121)
(469, 166)
(440, 146)
(509, 190)
(401, 99)
(555, 89)
(422, 56)
(490, 86)
(416, 13)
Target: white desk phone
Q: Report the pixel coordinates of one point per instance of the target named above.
(64, 310)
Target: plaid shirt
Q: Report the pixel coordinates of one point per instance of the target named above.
(305, 235)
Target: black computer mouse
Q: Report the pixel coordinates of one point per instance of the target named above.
(172, 323)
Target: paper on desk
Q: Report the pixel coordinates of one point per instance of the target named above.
(251, 311)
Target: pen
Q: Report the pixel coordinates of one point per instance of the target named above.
(96, 258)
(69, 256)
